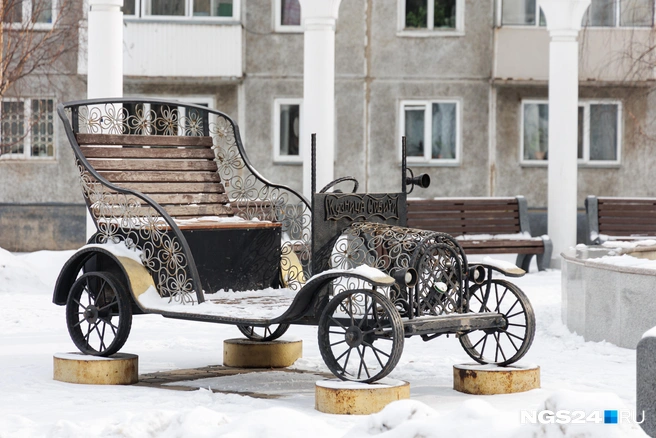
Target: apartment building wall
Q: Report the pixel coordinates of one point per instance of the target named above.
(41, 205)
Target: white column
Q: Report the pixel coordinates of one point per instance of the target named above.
(319, 19)
(563, 22)
(105, 56)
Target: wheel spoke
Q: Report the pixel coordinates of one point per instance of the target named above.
(337, 343)
(499, 300)
(515, 314)
(512, 307)
(515, 336)
(338, 323)
(484, 343)
(114, 301)
(511, 341)
(362, 363)
(375, 354)
(376, 349)
(348, 355)
(516, 325)
(102, 336)
(337, 333)
(342, 355)
(366, 310)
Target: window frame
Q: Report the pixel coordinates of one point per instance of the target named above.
(277, 20)
(427, 159)
(140, 14)
(615, 25)
(585, 161)
(537, 25)
(277, 157)
(430, 31)
(27, 115)
(26, 23)
(618, 19)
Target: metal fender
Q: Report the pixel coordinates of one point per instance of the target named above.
(94, 257)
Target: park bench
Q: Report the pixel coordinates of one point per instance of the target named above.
(484, 226)
(611, 218)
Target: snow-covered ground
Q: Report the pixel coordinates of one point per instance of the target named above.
(575, 375)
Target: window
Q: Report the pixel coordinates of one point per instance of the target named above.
(625, 13)
(600, 13)
(431, 16)
(287, 130)
(27, 12)
(521, 13)
(211, 9)
(432, 131)
(599, 136)
(27, 128)
(287, 16)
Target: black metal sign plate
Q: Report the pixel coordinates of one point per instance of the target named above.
(361, 207)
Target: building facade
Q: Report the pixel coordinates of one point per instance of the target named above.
(465, 81)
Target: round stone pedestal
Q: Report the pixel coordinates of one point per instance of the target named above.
(244, 353)
(491, 379)
(118, 369)
(350, 398)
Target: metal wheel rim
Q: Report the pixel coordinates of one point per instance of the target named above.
(96, 315)
(363, 343)
(506, 345)
(263, 334)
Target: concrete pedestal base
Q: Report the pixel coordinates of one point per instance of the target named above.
(118, 369)
(349, 398)
(491, 379)
(245, 353)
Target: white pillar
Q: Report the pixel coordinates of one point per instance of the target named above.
(105, 56)
(319, 19)
(563, 22)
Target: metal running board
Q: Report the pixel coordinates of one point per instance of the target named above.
(453, 323)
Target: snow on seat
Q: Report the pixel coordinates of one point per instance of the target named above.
(261, 304)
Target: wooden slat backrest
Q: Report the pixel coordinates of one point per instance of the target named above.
(178, 172)
(627, 216)
(465, 215)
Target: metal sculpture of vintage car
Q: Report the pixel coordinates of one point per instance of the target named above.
(187, 228)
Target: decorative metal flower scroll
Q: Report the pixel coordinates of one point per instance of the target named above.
(254, 198)
(437, 257)
(121, 217)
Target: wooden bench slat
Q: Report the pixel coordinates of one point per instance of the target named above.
(151, 152)
(628, 227)
(181, 187)
(189, 198)
(628, 214)
(143, 140)
(160, 176)
(613, 220)
(460, 208)
(422, 203)
(199, 210)
(439, 215)
(129, 165)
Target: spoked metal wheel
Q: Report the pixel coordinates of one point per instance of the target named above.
(264, 334)
(360, 336)
(98, 314)
(510, 343)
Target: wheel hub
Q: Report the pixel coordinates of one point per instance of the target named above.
(353, 336)
(91, 314)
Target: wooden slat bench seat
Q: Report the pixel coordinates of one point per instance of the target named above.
(177, 172)
(611, 218)
(484, 226)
